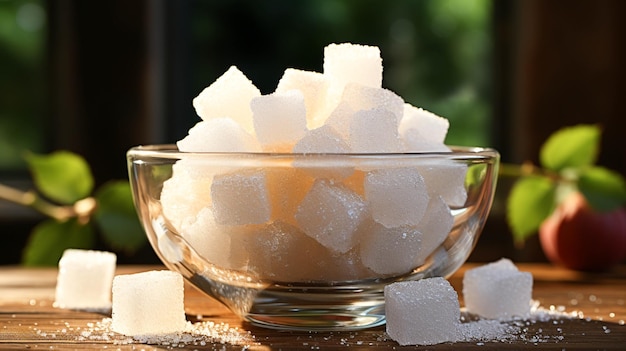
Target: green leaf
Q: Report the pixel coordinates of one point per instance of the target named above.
(50, 238)
(604, 189)
(61, 176)
(117, 218)
(530, 202)
(571, 147)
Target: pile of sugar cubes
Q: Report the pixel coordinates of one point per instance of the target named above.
(298, 223)
(427, 311)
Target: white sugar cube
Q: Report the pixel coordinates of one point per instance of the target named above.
(220, 134)
(430, 126)
(397, 197)
(414, 141)
(374, 131)
(185, 193)
(208, 239)
(229, 96)
(279, 119)
(354, 63)
(340, 119)
(445, 179)
(314, 87)
(389, 251)
(322, 140)
(330, 213)
(148, 303)
(422, 312)
(360, 97)
(498, 290)
(240, 198)
(434, 226)
(84, 279)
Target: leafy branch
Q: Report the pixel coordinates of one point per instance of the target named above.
(567, 163)
(64, 193)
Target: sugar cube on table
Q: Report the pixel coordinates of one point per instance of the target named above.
(389, 250)
(240, 198)
(330, 213)
(354, 63)
(314, 87)
(84, 279)
(279, 119)
(498, 290)
(396, 196)
(229, 96)
(220, 134)
(422, 312)
(148, 303)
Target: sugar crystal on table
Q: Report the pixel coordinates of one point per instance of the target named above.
(220, 134)
(240, 198)
(84, 279)
(389, 250)
(279, 119)
(422, 312)
(314, 87)
(354, 63)
(330, 213)
(396, 196)
(498, 290)
(229, 96)
(148, 303)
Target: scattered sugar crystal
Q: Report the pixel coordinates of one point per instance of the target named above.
(446, 179)
(354, 63)
(185, 194)
(389, 250)
(374, 131)
(229, 96)
(220, 134)
(323, 140)
(330, 213)
(240, 198)
(84, 279)
(279, 119)
(422, 312)
(434, 226)
(360, 97)
(397, 197)
(148, 303)
(314, 87)
(430, 126)
(498, 290)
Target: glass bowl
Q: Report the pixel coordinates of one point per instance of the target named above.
(309, 241)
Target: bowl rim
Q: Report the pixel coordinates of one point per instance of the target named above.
(170, 151)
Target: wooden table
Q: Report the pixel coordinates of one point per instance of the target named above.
(29, 321)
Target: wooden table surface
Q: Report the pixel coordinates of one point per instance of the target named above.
(29, 321)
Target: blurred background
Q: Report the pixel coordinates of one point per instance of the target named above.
(99, 78)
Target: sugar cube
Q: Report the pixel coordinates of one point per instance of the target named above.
(314, 87)
(229, 96)
(330, 213)
(430, 126)
(389, 251)
(209, 240)
(286, 187)
(374, 131)
(446, 179)
(240, 198)
(434, 226)
(414, 141)
(422, 312)
(360, 97)
(498, 290)
(221, 134)
(84, 279)
(340, 119)
(279, 119)
(354, 63)
(322, 140)
(148, 303)
(397, 197)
